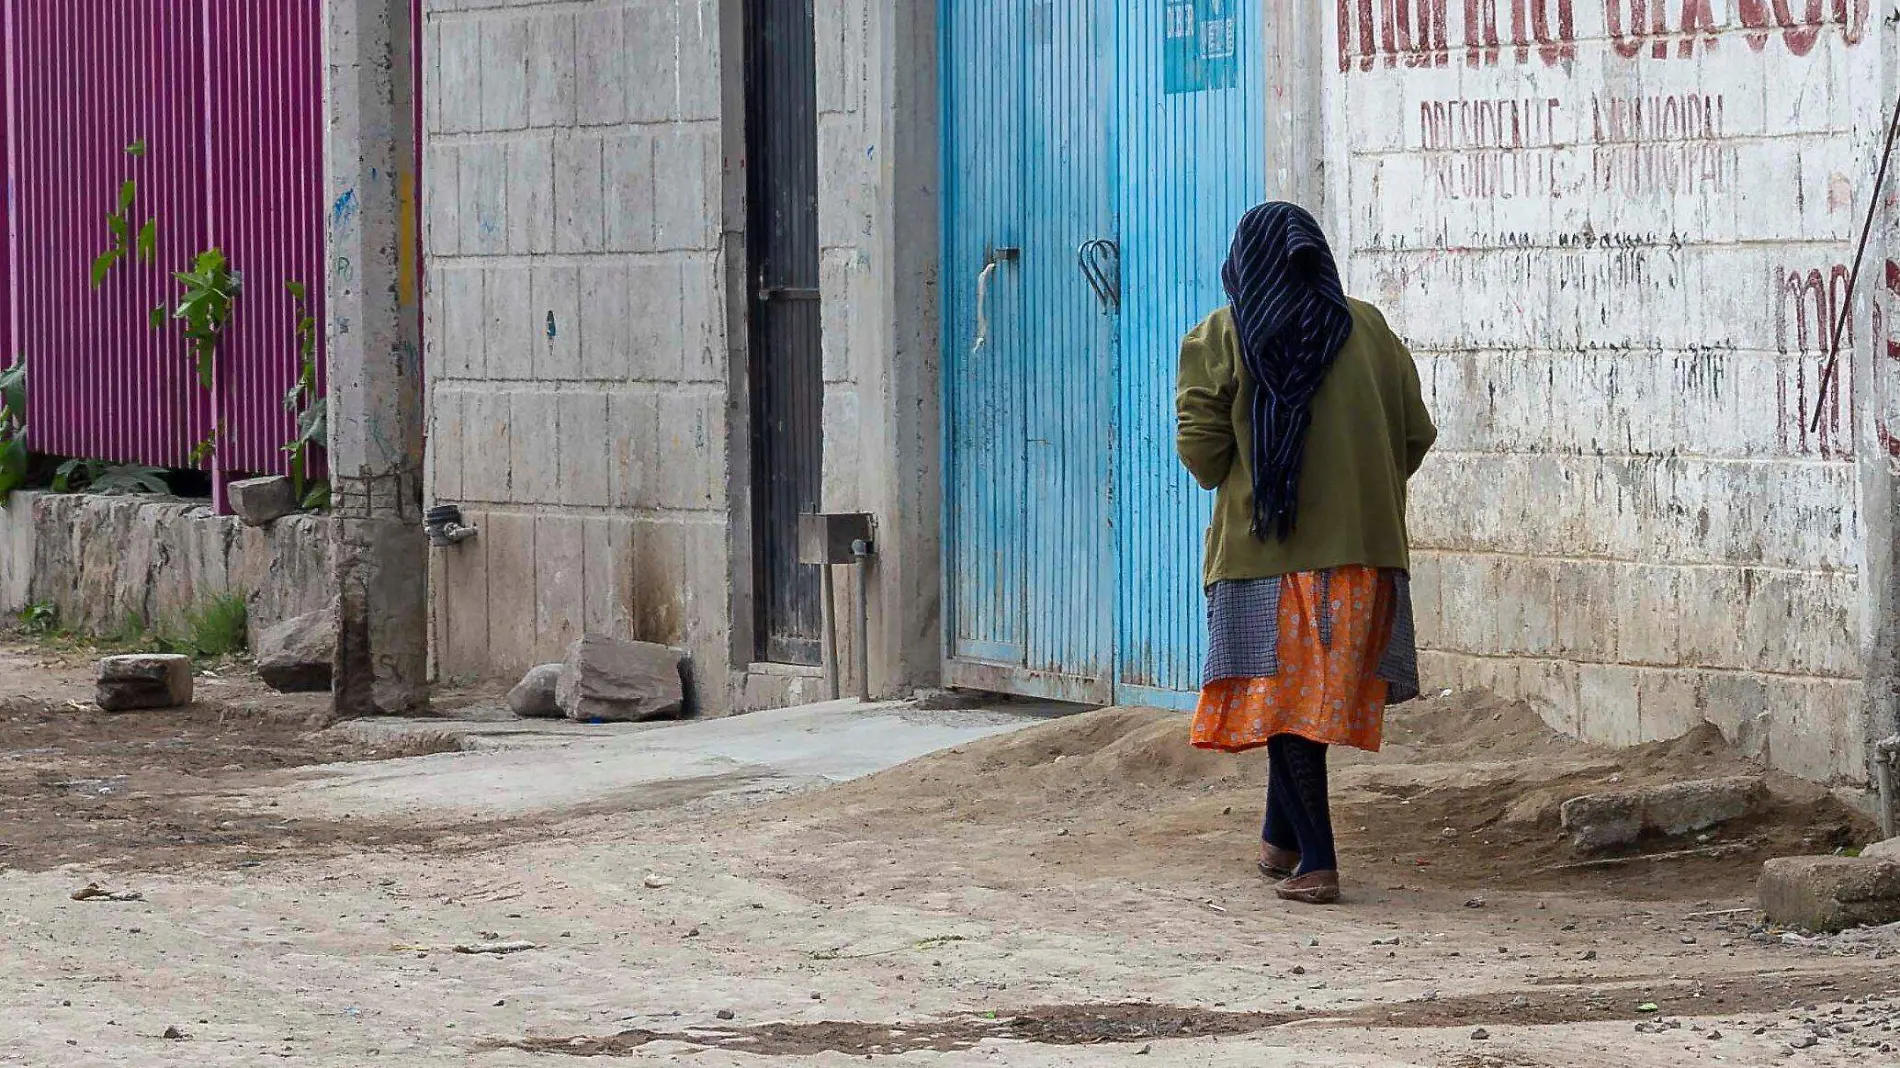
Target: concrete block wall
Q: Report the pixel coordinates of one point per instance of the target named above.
(583, 218)
(1616, 236)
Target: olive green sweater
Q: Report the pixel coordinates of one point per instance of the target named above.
(1370, 432)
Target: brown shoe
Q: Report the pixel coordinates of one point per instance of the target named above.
(1313, 888)
(1278, 864)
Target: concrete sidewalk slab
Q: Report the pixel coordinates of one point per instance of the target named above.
(538, 769)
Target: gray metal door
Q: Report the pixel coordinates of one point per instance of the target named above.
(787, 369)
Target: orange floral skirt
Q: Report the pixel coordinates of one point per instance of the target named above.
(1326, 691)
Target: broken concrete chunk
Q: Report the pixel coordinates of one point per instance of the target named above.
(258, 501)
(1830, 893)
(619, 681)
(295, 656)
(1603, 821)
(144, 681)
(534, 696)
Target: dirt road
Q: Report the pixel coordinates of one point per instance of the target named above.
(1078, 892)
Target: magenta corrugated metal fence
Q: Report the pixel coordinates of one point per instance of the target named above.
(86, 81)
(226, 96)
(264, 139)
(6, 195)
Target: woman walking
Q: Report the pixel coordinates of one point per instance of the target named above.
(1301, 409)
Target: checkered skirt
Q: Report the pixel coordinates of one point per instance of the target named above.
(1243, 629)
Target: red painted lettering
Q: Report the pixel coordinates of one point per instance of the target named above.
(1627, 42)
(1801, 36)
(1799, 292)
(1801, 31)
(1418, 34)
(1432, 47)
(1481, 33)
(1824, 293)
(1553, 47)
(1757, 18)
(1854, 22)
(1893, 288)
(1696, 18)
(1345, 35)
(1415, 31)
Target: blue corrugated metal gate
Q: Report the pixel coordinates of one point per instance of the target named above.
(1096, 164)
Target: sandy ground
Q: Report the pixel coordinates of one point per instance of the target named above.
(1078, 892)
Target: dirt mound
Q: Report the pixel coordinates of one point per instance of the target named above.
(1466, 793)
(1107, 758)
(1470, 726)
(1111, 747)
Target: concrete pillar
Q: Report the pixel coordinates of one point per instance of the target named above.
(1877, 418)
(373, 330)
(902, 395)
(1296, 113)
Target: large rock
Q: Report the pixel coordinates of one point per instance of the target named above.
(534, 697)
(1830, 893)
(1620, 818)
(258, 501)
(144, 681)
(295, 656)
(620, 682)
(1887, 850)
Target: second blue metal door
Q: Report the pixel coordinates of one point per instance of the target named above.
(1095, 161)
(1192, 129)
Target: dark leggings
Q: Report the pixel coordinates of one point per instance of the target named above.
(1298, 817)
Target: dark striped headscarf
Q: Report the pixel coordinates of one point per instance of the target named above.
(1293, 319)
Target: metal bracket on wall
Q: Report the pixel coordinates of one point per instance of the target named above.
(830, 539)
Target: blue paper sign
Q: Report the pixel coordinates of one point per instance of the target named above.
(1200, 44)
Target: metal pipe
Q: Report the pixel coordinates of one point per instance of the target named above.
(861, 550)
(1886, 755)
(833, 684)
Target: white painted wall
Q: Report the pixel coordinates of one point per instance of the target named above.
(1617, 247)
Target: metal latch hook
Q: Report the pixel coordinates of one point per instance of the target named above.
(1101, 263)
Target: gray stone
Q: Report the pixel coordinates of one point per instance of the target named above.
(296, 656)
(534, 696)
(1607, 820)
(144, 681)
(1830, 893)
(1887, 850)
(619, 681)
(258, 501)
